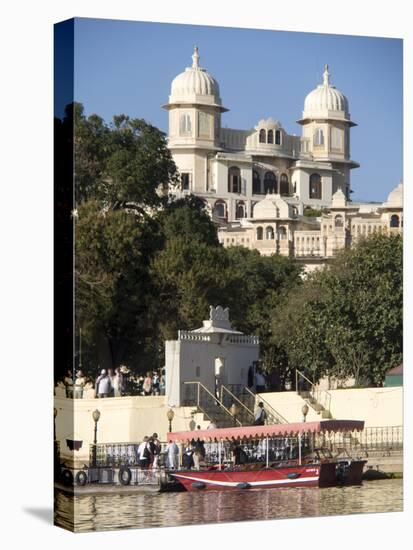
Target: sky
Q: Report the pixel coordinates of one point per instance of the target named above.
(126, 67)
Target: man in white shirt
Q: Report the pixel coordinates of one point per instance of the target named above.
(144, 453)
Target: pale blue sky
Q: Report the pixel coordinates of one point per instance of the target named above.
(127, 67)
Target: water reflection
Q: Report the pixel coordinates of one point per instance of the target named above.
(103, 512)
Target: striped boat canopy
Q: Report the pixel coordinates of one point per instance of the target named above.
(272, 430)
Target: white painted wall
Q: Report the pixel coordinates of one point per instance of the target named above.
(182, 357)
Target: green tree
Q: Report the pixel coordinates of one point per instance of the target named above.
(126, 164)
(346, 321)
(112, 282)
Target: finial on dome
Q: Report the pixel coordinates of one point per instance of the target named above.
(195, 58)
(326, 76)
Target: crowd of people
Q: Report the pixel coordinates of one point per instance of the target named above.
(114, 383)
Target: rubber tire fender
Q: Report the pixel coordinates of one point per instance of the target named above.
(125, 475)
(81, 478)
(67, 478)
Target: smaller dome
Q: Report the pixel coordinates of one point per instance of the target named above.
(268, 123)
(270, 208)
(395, 198)
(339, 199)
(326, 100)
(195, 85)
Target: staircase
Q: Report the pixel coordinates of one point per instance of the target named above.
(235, 405)
(319, 400)
(249, 401)
(197, 395)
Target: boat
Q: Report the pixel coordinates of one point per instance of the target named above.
(275, 456)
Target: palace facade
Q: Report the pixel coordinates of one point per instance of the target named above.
(267, 189)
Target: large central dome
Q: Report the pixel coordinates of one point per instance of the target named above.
(195, 85)
(326, 101)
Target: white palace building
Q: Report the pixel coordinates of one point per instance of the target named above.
(268, 190)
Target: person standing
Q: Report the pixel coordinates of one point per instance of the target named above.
(162, 383)
(155, 448)
(68, 382)
(260, 415)
(172, 452)
(155, 383)
(259, 381)
(147, 384)
(187, 457)
(79, 385)
(118, 383)
(111, 375)
(103, 385)
(144, 453)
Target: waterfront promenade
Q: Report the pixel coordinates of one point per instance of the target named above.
(129, 419)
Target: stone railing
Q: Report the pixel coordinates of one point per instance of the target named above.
(188, 336)
(242, 339)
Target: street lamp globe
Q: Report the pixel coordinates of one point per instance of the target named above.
(305, 410)
(170, 415)
(234, 409)
(96, 415)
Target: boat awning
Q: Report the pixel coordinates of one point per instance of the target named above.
(273, 430)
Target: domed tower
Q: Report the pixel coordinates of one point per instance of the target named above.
(195, 109)
(326, 125)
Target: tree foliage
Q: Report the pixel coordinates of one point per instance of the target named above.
(346, 321)
(123, 164)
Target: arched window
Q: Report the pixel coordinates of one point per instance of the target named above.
(220, 209)
(315, 186)
(270, 136)
(395, 221)
(240, 210)
(270, 182)
(262, 136)
(259, 233)
(277, 137)
(284, 186)
(318, 137)
(269, 233)
(338, 221)
(234, 180)
(282, 233)
(256, 183)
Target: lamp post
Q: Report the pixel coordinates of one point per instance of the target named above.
(170, 416)
(234, 411)
(304, 410)
(95, 416)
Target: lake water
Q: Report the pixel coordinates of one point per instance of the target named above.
(103, 512)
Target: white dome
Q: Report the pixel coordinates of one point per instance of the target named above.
(195, 82)
(326, 101)
(395, 198)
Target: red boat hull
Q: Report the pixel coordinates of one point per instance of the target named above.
(310, 475)
(224, 480)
